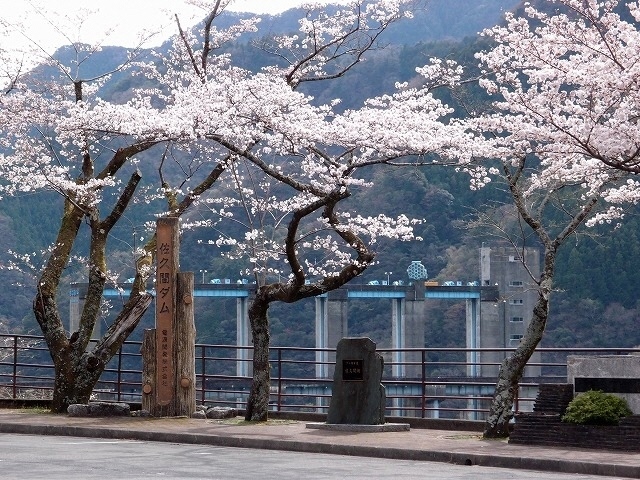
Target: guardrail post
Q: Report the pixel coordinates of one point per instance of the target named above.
(203, 375)
(119, 377)
(279, 407)
(14, 379)
(423, 367)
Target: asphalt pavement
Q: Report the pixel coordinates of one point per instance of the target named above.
(423, 444)
(73, 458)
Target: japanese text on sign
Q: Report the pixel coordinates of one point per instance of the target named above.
(165, 288)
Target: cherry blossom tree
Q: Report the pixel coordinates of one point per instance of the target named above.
(562, 134)
(42, 151)
(200, 119)
(313, 153)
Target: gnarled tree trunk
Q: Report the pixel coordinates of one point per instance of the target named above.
(77, 372)
(512, 368)
(294, 290)
(258, 401)
(78, 365)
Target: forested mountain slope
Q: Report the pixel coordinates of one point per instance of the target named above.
(595, 275)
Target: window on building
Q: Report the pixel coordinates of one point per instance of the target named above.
(516, 301)
(517, 319)
(515, 338)
(516, 283)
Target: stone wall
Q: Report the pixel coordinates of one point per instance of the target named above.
(616, 374)
(553, 398)
(546, 429)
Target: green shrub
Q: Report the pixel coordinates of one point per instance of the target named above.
(596, 408)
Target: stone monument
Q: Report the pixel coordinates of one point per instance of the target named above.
(357, 396)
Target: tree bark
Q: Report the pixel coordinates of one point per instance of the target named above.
(258, 401)
(512, 368)
(76, 373)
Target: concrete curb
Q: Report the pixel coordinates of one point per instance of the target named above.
(561, 465)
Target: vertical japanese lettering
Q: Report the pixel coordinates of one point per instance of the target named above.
(166, 265)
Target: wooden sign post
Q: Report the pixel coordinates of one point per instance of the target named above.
(166, 269)
(168, 351)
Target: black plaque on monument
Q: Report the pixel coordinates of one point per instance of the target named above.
(352, 370)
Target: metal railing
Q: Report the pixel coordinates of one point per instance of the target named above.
(455, 383)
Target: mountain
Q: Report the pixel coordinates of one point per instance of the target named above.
(451, 20)
(433, 20)
(592, 286)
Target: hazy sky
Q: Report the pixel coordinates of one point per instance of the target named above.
(125, 17)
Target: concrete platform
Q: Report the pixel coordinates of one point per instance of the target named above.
(421, 444)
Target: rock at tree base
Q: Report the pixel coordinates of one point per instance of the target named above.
(221, 412)
(99, 409)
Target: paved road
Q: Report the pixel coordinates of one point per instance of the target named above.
(68, 458)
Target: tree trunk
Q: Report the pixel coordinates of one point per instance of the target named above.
(64, 388)
(258, 401)
(75, 381)
(76, 368)
(512, 368)
(76, 372)
(501, 413)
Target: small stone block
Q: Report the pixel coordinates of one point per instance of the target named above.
(99, 409)
(221, 412)
(141, 413)
(78, 410)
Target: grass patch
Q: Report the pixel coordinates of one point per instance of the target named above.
(465, 437)
(38, 410)
(239, 421)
